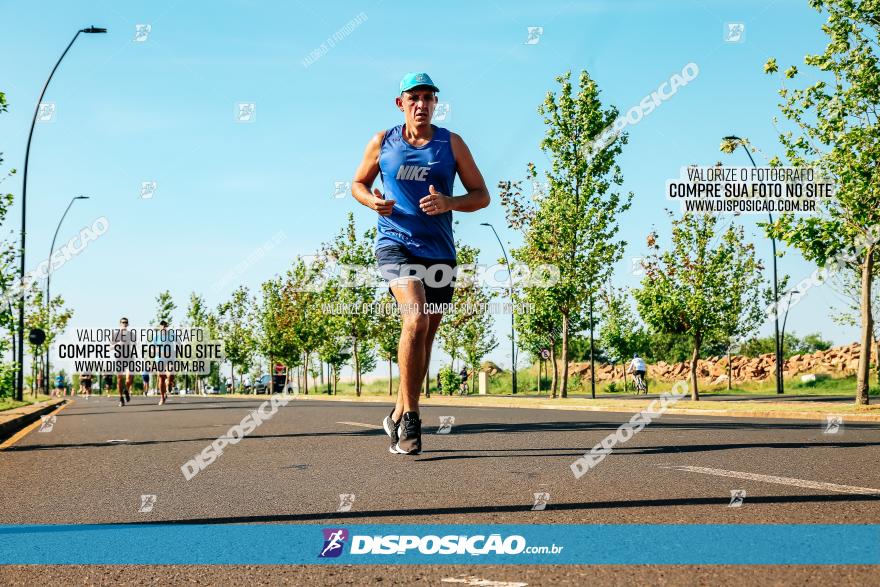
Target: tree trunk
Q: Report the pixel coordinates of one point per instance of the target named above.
(14, 340)
(232, 379)
(390, 374)
(357, 369)
(271, 375)
(305, 373)
(592, 357)
(554, 384)
(564, 355)
(867, 334)
(729, 370)
(540, 362)
(695, 394)
(877, 358)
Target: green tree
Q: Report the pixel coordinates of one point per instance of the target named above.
(574, 226)
(837, 132)
(302, 320)
(538, 325)
(269, 335)
(8, 287)
(478, 338)
(197, 317)
(740, 312)
(684, 287)
(621, 333)
(234, 329)
(466, 330)
(38, 315)
(848, 283)
(355, 259)
(165, 307)
(791, 345)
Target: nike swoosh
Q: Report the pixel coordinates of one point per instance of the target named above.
(432, 162)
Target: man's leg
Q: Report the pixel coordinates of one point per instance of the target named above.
(410, 296)
(433, 324)
(120, 383)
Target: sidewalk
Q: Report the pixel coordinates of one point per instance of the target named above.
(811, 409)
(11, 421)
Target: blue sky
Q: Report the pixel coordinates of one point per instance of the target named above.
(163, 110)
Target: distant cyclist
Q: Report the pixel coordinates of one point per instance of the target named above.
(639, 369)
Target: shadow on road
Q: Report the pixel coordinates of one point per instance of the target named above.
(644, 450)
(583, 506)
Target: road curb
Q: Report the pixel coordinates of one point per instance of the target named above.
(14, 420)
(462, 402)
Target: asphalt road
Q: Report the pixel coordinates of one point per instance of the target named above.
(98, 460)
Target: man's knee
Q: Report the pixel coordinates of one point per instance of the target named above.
(415, 324)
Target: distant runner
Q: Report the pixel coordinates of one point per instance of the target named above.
(60, 388)
(417, 162)
(85, 384)
(166, 378)
(123, 380)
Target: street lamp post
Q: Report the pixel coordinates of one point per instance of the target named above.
(19, 389)
(48, 282)
(780, 386)
(512, 327)
(785, 319)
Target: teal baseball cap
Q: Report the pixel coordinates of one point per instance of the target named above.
(415, 79)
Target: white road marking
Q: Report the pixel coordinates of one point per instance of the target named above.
(471, 580)
(779, 480)
(114, 441)
(362, 425)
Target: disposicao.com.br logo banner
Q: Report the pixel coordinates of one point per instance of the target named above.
(430, 544)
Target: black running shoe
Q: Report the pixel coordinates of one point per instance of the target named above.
(127, 396)
(410, 435)
(390, 427)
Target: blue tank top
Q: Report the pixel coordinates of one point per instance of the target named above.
(406, 173)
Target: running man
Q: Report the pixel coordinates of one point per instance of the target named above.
(124, 379)
(417, 162)
(85, 384)
(166, 378)
(60, 388)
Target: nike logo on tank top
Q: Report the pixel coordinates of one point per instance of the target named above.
(406, 173)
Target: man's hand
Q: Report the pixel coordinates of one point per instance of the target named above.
(435, 203)
(380, 204)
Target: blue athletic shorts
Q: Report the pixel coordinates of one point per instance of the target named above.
(437, 275)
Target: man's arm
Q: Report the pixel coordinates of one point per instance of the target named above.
(366, 174)
(477, 195)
